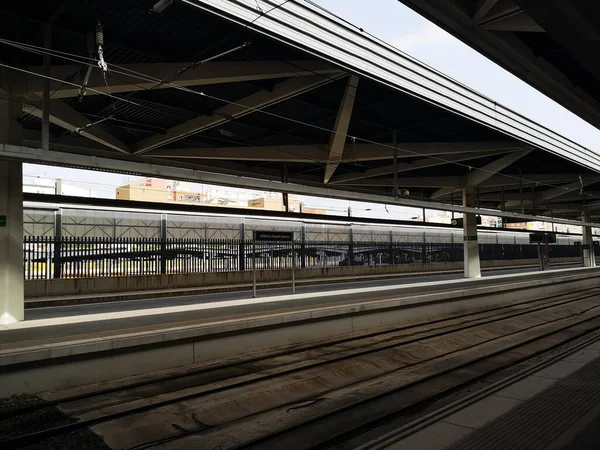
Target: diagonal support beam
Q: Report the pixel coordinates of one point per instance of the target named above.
(205, 74)
(484, 173)
(409, 182)
(527, 179)
(518, 22)
(320, 153)
(482, 7)
(568, 188)
(66, 117)
(340, 129)
(419, 164)
(281, 153)
(551, 195)
(282, 91)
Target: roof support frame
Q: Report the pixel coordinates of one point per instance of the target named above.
(262, 99)
(146, 168)
(482, 7)
(337, 142)
(215, 72)
(482, 174)
(66, 117)
(419, 164)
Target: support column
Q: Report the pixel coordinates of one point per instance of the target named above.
(12, 301)
(589, 257)
(471, 245)
(163, 243)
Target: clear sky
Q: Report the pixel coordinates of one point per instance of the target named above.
(398, 25)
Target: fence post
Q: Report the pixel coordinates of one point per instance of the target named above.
(163, 244)
(391, 260)
(254, 267)
(303, 246)
(350, 247)
(293, 269)
(56, 256)
(242, 246)
(424, 248)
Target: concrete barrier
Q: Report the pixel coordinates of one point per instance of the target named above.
(105, 285)
(42, 367)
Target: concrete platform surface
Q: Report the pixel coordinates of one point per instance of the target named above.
(119, 326)
(193, 294)
(556, 408)
(57, 352)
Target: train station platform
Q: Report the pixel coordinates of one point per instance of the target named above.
(554, 408)
(60, 347)
(174, 296)
(100, 310)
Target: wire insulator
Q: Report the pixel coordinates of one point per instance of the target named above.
(99, 35)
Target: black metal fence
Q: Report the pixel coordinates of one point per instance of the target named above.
(48, 257)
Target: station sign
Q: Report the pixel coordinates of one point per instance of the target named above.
(273, 236)
(542, 238)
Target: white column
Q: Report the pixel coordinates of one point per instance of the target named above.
(589, 258)
(471, 245)
(11, 242)
(11, 206)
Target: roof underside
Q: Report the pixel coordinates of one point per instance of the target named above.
(266, 110)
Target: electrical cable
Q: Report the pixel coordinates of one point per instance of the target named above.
(564, 140)
(92, 63)
(145, 77)
(469, 167)
(41, 50)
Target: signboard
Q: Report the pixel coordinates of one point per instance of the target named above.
(274, 236)
(2, 221)
(542, 238)
(459, 222)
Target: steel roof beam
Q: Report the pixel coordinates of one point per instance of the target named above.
(66, 117)
(419, 164)
(352, 152)
(282, 153)
(206, 74)
(480, 175)
(482, 7)
(428, 182)
(337, 142)
(282, 91)
(574, 32)
(553, 195)
(575, 186)
(518, 22)
(149, 168)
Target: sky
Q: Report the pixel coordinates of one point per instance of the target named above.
(398, 25)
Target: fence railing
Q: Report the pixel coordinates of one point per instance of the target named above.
(69, 257)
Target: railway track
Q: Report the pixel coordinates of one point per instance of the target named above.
(324, 394)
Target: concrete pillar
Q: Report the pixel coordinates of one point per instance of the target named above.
(589, 258)
(11, 242)
(471, 245)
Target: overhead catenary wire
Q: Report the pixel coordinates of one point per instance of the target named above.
(93, 62)
(141, 76)
(147, 78)
(279, 116)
